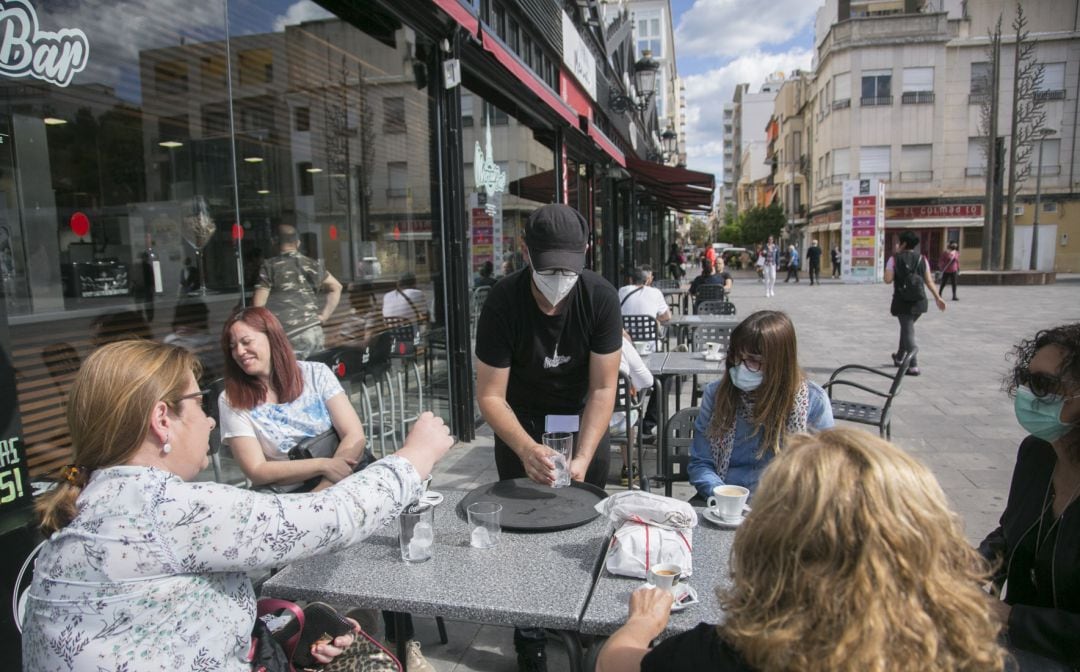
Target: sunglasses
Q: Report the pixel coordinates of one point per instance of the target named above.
(204, 399)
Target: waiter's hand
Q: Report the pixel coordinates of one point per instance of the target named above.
(539, 466)
(578, 467)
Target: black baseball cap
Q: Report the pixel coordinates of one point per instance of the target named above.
(557, 236)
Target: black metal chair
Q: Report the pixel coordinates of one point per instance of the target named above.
(643, 329)
(633, 410)
(862, 412)
(665, 283)
(708, 292)
(678, 435)
(715, 307)
(709, 333)
(218, 451)
(408, 346)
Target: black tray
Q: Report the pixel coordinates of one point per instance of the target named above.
(531, 507)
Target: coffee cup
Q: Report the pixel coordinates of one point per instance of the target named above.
(712, 349)
(728, 501)
(665, 576)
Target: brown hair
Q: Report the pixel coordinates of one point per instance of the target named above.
(108, 412)
(852, 560)
(770, 334)
(247, 392)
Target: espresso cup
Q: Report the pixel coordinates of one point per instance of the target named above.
(665, 576)
(712, 349)
(728, 501)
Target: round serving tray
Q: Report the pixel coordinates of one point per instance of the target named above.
(531, 507)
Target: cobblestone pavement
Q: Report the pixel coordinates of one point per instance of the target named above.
(954, 417)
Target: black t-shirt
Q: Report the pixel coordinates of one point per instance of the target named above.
(548, 356)
(693, 651)
(813, 254)
(720, 278)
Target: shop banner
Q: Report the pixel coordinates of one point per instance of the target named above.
(14, 478)
(863, 231)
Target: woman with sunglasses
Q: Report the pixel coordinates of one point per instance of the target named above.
(747, 415)
(1037, 543)
(146, 570)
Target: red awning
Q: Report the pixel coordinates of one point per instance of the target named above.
(464, 17)
(677, 188)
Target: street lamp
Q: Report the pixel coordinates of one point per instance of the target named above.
(1043, 134)
(669, 141)
(644, 81)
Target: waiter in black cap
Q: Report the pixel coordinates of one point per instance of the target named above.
(548, 341)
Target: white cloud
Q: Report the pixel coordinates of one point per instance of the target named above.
(708, 92)
(299, 12)
(726, 28)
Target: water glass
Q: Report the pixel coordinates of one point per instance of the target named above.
(563, 445)
(484, 524)
(416, 532)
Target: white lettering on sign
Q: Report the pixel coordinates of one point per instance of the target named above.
(486, 173)
(28, 51)
(9, 453)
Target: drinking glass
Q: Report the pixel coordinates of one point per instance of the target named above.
(484, 524)
(416, 532)
(563, 445)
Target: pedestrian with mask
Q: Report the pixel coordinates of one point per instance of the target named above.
(548, 342)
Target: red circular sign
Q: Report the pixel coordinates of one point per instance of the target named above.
(80, 224)
(237, 232)
(333, 232)
(341, 370)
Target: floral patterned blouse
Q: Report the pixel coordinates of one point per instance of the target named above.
(151, 574)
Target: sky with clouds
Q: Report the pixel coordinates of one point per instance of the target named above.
(721, 43)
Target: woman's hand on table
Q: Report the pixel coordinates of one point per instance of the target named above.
(324, 652)
(650, 608)
(427, 443)
(336, 468)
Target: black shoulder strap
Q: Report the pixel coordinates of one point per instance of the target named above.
(411, 304)
(623, 302)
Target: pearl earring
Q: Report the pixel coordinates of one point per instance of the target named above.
(167, 448)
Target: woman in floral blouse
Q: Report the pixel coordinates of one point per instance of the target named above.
(144, 570)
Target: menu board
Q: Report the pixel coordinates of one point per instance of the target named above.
(863, 231)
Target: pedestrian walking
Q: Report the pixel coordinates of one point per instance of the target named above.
(675, 261)
(813, 262)
(792, 264)
(911, 272)
(771, 253)
(950, 268)
(835, 258)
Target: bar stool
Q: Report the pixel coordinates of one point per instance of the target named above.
(406, 349)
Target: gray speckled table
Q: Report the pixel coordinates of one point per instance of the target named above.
(528, 580)
(712, 549)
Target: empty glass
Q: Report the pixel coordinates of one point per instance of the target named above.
(484, 524)
(563, 445)
(416, 532)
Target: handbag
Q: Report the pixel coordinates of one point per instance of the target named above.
(284, 634)
(325, 445)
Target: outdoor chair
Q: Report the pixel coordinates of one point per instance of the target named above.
(217, 447)
(407, 346)
(630, 435)
(866, 413)
(708, 293)
(678, 435)
(716, 307)
(709, 333)
(665, 283)
(479, 297)
(643, 329)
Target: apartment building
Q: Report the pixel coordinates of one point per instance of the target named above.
(919, 71)
(755, 111)
(787, 152)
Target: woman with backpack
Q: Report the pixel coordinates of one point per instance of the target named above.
(909, 273)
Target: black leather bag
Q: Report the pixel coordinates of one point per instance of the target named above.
(325, 445)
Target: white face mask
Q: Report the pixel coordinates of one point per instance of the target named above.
(555, 285)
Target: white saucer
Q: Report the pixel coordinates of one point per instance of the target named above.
(724, 522)
(719, 357)
(683, 589)
(431, 497)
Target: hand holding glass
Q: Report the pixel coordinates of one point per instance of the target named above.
(563, 445)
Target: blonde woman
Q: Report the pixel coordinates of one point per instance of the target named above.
(850, 560)
(747, 415)
(145, 570)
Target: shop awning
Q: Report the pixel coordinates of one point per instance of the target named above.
(463, 16)
(539, 187)
(677, 188)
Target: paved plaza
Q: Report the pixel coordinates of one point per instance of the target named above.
(954, 417)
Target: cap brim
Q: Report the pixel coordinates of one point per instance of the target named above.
(565, 260)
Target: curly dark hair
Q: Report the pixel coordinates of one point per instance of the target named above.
(1066, 336)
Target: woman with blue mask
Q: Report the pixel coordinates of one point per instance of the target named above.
(1036, 546)
(747, 415)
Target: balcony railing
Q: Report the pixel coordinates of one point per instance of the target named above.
(397, 193)
(876, 101)
(884, 177)
(917, 97)
(975, 171)
(839, 178)
(978, 98)
(841, 104)
(1050, 170)
(1056, 94)
(916, 175)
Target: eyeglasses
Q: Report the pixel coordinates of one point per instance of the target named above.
(753, 362)
(1043, 384)
(202, 395)
(557, 271)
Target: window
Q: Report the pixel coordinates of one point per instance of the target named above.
(497, 19)
(302, 119)
(841, 165)
(874, 161)
(916, 163)
(980, 82)
(1050, 153)
(467, 102)
(256, 66)
(393, 115)
(512, 39)
(842, 90)
(648, 35)
(1053, 84)
(397, 179)
(1050, 206)
(976, 157)
(305, 178)
(918, 86)
(171, 77)
(876, 88)
(212, 73)
(495, 116)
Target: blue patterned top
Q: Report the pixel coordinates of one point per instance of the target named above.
(151, 574)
